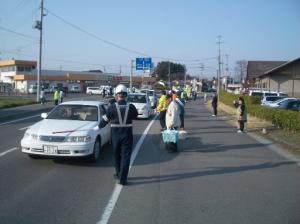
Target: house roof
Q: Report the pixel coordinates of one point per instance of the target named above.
(258, 68)
(281, 66)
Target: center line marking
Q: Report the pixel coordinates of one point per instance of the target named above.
(118, 188)
(8, 151)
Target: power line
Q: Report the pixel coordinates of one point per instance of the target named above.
(95, 36)
(14, 32)
(117, 45)
(61, 60)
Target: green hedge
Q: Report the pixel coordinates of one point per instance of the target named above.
(286, 119)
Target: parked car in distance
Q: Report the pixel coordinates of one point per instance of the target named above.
(93, 90)
(280, 102)
(69, 130)
(263, 93)
(75, 89)
(290, 105)
(211, 90)
(142, 103)
(270, 99)
(107, 89)
(32, 89)
(152, 96)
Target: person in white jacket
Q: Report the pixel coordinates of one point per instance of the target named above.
(173, 115)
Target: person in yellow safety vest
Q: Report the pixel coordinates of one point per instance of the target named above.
(162, 109)
(56, 97)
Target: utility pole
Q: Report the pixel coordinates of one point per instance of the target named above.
(202, 68)
(120, 70)
(131, 73)
(39, 26)
(219, 62)
(169, 73)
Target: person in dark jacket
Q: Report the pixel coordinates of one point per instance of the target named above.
(214, 104)
(241, 113)
(121, 114)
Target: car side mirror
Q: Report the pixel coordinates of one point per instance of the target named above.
(44, 115)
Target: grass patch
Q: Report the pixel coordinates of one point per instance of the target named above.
(14, 102)
(289, 140)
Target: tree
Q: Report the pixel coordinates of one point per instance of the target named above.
(177, 71)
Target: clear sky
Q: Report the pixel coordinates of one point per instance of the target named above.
(183, 30)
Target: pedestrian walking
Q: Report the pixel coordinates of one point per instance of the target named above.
(205, 97)
(162, 108)
(56, 96)
(61, 95)
(194, 95)
(121, 114)
(103, 92)
(42, 96)
(241, 113)
(214, 104)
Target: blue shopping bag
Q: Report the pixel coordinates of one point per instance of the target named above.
(170, 136)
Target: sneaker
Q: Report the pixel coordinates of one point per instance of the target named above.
(213, 115)
(239, 131)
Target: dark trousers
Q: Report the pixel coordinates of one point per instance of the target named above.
(182, 120)
(122, 139)
(162, 119)
(56, 102)
(241, 125)
(215, 109)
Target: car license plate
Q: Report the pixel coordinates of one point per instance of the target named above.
(49, 149)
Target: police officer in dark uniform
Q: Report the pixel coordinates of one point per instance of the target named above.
(121, 114)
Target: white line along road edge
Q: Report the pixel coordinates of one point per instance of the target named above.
(21, 119)
(117, 190)
(8, 151)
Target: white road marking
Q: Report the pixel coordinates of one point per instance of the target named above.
(117, 190)
(21, 119)
(8, 151)
(21, 129)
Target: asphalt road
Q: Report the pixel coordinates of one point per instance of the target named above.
(219, 176)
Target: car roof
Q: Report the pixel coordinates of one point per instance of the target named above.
(136, 94)
(82, 102)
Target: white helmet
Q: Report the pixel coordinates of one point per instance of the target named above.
(121, 89)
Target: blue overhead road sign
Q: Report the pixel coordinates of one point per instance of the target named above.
(143, 63)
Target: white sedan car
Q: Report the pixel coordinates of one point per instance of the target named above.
(277, 103)
(142, 103)
(69, 130)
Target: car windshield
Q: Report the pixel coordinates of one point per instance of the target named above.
(270, 94)
(257, 94)
(136, 98)
(273, 99)
(74, 112)
(149, 92)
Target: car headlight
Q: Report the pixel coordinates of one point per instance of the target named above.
(86, 138)
(29, 136)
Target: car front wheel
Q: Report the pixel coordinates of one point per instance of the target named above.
(96, 151)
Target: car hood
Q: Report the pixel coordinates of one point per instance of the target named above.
(139, 106)
(62, 127)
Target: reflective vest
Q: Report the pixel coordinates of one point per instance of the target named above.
(121, 122)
